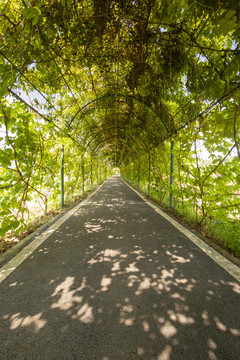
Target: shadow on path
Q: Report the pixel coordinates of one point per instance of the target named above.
(117, 281)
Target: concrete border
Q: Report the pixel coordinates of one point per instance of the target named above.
(227, 265)
(12, 264)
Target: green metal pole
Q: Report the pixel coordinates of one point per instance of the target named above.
(91, 175)
(83, 176)
(171, 175)
(62, 176)
(138, 173)
(149, 173)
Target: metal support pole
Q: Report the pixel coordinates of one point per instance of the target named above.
(171, 175)
(138, 173)
(62, 176)
(83, 176)
(91, 175)
(149, 173)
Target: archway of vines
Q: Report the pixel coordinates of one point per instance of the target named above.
(115, 82)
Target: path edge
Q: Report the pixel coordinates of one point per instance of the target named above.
(37, 239)
(226, 264)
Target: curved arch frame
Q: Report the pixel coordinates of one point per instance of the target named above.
(119, 128)
(123, 96)
(130, 149)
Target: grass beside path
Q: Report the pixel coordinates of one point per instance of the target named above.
(223, 247)
(11, 239)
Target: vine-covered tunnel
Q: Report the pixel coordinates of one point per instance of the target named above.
(150, 88)
(133, 72)
(119, 135)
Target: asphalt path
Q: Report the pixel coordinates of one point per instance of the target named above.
(117, 281)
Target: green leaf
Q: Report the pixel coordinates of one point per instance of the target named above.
(15, 224)
(35, 20)
(4, 206)
(6, 225)
(5, 161)
(5, 212)
(28, 12)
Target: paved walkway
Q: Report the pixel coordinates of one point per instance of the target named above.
(116, 281)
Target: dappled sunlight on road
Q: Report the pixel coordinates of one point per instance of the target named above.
(35, 321)
(119, 288)
(147, 305)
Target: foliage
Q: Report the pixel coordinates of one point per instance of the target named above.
(206, 191)
(30, 161)
(113, 81)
